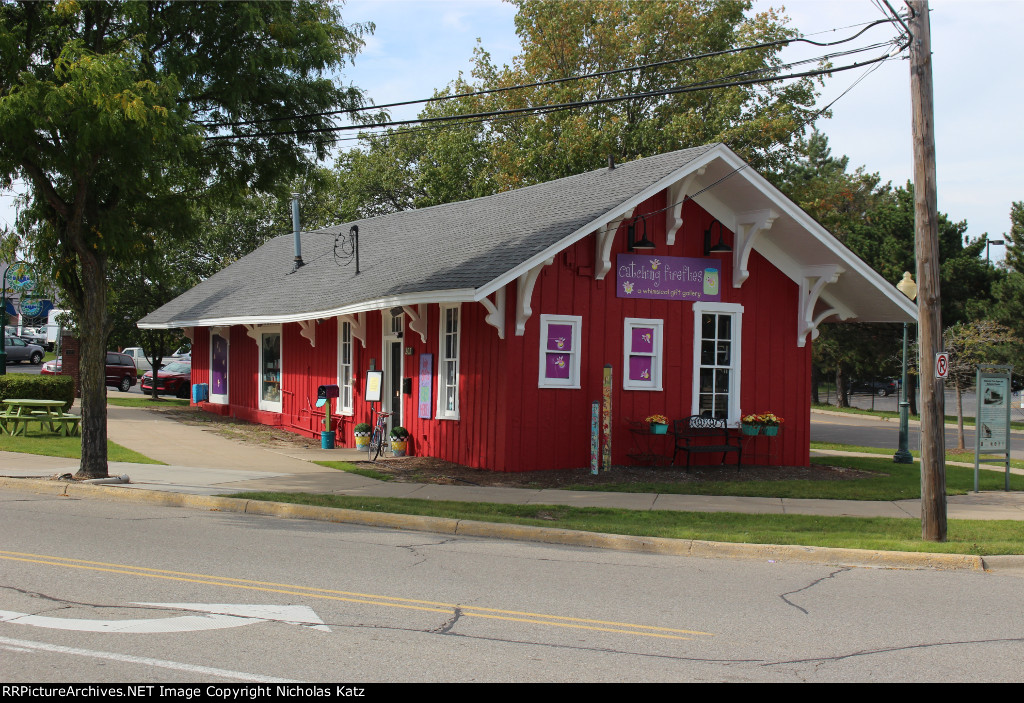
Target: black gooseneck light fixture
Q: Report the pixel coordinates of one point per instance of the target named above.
(644, 244)
(719, 248)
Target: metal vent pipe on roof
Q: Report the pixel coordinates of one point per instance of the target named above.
(296, 230)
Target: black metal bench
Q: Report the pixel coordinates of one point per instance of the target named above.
(701, 434)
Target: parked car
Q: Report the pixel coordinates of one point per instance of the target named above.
(19, 350)
(34, 335)
(881, 387)
(121, 372)
(173, 379)
(138, 357)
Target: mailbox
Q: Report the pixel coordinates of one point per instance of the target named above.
(327, 392)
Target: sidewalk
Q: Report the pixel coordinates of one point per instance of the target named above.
(201, 462)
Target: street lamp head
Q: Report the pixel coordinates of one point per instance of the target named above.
(907, 286)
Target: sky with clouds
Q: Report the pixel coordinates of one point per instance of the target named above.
(420, 45)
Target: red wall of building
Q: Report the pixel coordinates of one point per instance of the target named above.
(507, 423)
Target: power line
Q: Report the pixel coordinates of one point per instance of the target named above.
(570, 105)
(554, 81)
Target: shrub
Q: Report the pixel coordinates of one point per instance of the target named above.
(38, 388)
(399, 433)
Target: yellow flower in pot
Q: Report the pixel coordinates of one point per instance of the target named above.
(658, 423)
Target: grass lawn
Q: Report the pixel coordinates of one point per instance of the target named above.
(950, 419)
(146, 401)
(963, 457)
(983, 537)
(353, 469)
(48, 443)
(887, 481)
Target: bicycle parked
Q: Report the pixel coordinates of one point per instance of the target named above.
(379, 442)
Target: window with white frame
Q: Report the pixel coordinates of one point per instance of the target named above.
(270, 368)
(448, 364)
(345, 368)
(560, 339)
(716, 360)
(642, 350)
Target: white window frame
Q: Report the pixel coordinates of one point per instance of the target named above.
(343, 328)
(225, 334)
(270, 405)
(575, 353)
(443, 413)
(734, 310)
(657, 355)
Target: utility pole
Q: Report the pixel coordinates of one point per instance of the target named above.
(926, 242)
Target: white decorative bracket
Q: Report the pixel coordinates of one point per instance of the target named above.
(677, 195)
(189, 332)
(417, 320)
(253, 331)
(605, 239)
(496, 311)
(307, 329)
(812, 281)
(358, 323)
(749, 225)
(221, 331)
(524, 292)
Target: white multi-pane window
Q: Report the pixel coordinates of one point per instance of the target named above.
(560, 339)
(345, 368)
(448, 364)
(642, 350)
(716, 360)
(270, 368)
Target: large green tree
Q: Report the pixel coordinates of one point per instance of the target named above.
(107, 110)
(417, 167)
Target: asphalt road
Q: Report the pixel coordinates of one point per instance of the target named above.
(103, 591)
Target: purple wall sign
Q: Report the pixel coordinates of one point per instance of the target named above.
(424, 404)
(219, 366)
(667, 277)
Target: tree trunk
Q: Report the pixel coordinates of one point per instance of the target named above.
(815, 378)
(912, 393)
(842, 400)
(92, 323)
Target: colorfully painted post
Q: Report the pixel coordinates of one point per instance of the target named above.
(595, 437)
(606, 457)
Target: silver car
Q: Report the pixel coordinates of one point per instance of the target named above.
(19, 350)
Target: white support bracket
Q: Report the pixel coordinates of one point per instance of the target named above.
(605, 238)
(417, 320)
(358, 323)
(812, 281)
(496, 311)
(253, 331)
(307, 329)
(749, 225)
(189, 332)
(677, 195)
(524, 293)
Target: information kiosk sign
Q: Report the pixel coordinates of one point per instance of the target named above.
(992, 426)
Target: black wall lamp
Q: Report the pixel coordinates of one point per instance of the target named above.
(644, 244)
(719, 248)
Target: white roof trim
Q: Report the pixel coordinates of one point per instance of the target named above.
(457, 295)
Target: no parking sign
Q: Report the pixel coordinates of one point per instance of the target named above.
(942, 365)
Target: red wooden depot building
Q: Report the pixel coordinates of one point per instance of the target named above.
(493, 319)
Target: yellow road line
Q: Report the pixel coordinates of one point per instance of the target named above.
(355, 597)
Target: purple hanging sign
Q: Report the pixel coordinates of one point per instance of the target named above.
(667, 277)
(424, 402)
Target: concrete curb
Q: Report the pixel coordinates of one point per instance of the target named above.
(832, 556)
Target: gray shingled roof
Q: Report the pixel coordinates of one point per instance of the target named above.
(446, 251)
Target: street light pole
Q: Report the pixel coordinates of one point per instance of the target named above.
(902, 456)
(997, 242)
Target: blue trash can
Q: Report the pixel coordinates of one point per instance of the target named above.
(200, 392)
(327, 440)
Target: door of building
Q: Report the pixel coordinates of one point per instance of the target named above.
(392, 353)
